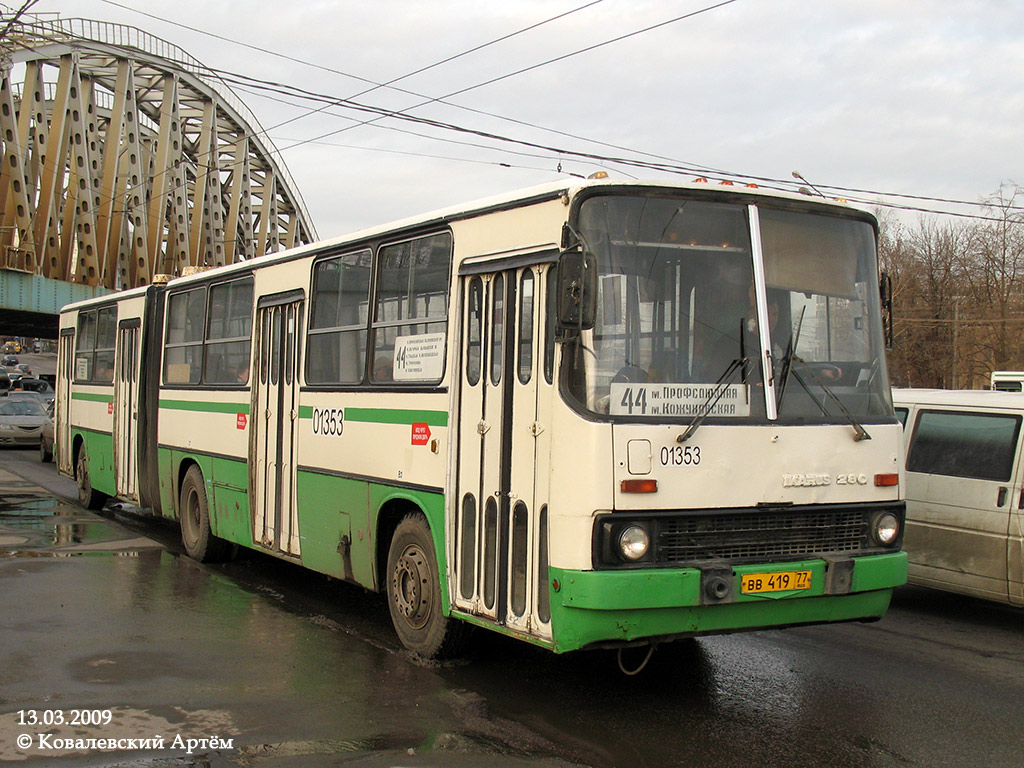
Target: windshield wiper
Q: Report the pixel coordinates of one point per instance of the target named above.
(740, 364)
(787, 359)
(859, 432)
(724, 381)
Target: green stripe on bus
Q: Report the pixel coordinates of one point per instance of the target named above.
(92, 397)
(204, 407)
(387, 416)
(366, 415)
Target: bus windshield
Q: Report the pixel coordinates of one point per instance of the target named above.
(695, 317)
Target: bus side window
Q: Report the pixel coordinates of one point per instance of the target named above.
(94, 352)
(411, 311)
(901, 414)
(106, 336)
(186, 323)
(337, 331)
(85, 344)
(229, 334)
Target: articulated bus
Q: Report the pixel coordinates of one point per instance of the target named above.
(591, 415)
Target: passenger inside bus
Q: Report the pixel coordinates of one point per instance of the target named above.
(382, 368)
(724, 308)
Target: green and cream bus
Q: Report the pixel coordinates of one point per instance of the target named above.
(587, 415)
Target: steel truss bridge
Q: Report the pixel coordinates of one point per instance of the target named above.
(124, 158)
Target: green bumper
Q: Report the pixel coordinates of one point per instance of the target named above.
(599, 607)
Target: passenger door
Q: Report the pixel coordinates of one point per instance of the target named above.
(962, 485)
(126, 409)
(65, 376)
(499, 513)
(274, 422)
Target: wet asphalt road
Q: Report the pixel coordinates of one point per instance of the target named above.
(105, 614)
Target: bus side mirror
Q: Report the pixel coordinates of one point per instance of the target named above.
(885, 293)
(577, 290)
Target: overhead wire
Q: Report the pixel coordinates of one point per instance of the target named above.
(236, 79)
(669, 166)
(408, 132)
(672, 168)
(15, 15)
(689, 167)
(665, 167)
(427, 98)
(562, 57)
(453, 57)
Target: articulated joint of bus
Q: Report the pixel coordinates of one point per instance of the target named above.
(714, 541)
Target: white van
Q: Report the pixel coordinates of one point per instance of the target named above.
(964, 490)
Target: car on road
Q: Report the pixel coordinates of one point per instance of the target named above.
(46, 436)
(25, 370)
(964, 460)
(39, 386)
(21, 394)
(9, 360)
(21, 421)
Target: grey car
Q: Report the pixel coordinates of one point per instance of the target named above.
(38, 386)
(46, 436)
(21, 421)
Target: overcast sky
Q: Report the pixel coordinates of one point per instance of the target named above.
(922, 97)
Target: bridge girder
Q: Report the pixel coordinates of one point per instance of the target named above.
(123, 157)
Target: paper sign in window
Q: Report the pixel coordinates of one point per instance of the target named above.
(419, 358)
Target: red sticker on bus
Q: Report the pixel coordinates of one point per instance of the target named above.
(240, 421)
(420, 434)
(110, 407)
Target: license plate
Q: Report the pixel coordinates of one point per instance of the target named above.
(781, 581)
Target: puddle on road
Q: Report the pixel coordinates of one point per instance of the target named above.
(33, 525)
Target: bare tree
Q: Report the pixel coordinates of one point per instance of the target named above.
(927, 270)
(995, 281)
(958, 292)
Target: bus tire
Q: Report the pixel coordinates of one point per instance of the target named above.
(194, 516)
(414, 593)
(88, 496)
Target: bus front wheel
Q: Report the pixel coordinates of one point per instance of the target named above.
(88, 497)
(194, 516)
(414, 593)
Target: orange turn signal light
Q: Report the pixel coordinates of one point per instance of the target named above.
(885, 481)
(639, 486)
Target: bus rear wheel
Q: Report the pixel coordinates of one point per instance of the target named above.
(88, 497)
(414, 593)
(194, 516)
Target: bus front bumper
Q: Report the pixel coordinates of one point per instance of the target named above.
(615, 607)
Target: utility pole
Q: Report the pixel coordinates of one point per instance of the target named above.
(956, 335)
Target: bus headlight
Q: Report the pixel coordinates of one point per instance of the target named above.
(634, 541)
(886, 529)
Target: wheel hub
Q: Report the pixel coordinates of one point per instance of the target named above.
(410, 586)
